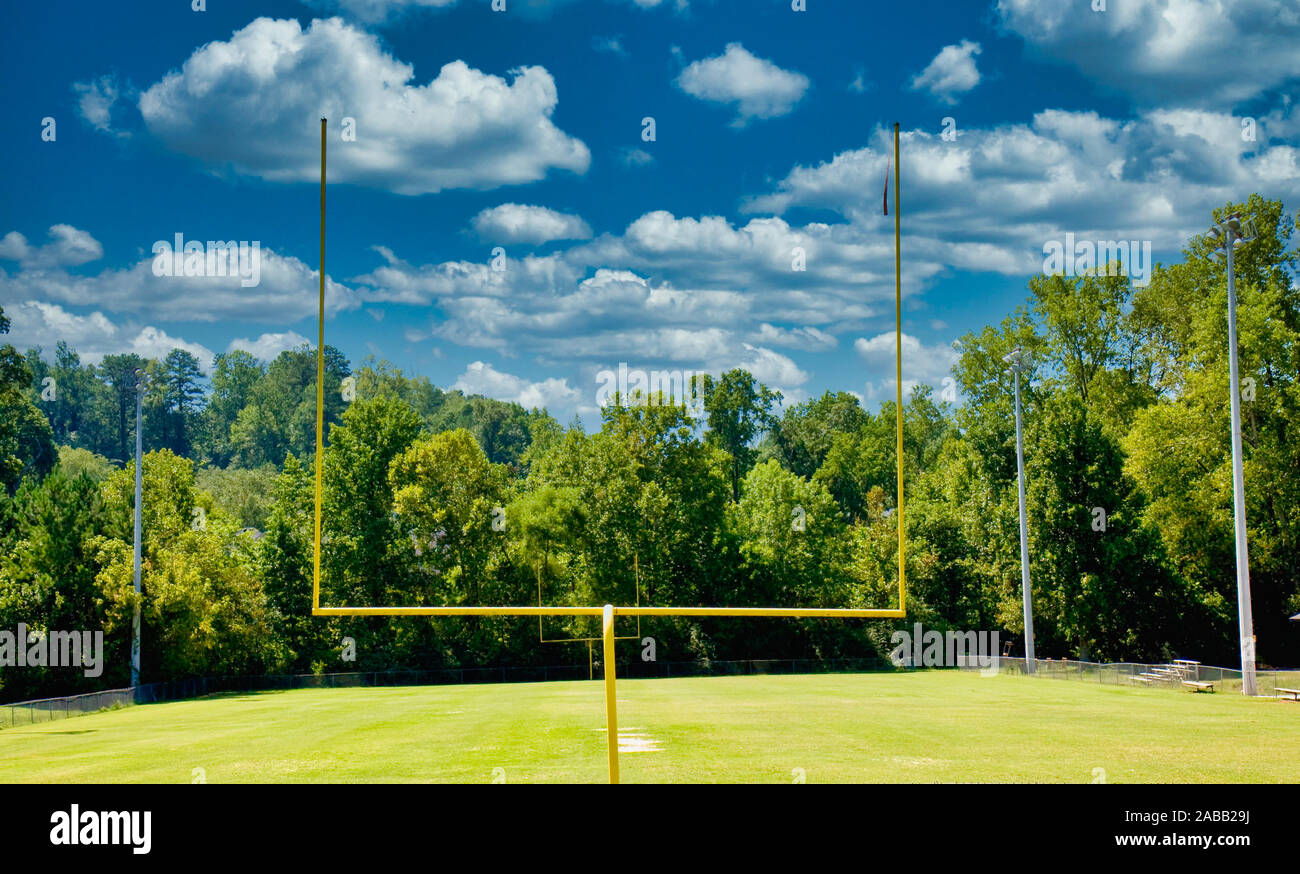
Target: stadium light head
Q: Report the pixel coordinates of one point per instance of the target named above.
(1234, 231)
(1017, 360)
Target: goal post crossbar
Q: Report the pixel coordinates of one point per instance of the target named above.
(771, 612)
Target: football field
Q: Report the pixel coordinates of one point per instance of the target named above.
(931, 726)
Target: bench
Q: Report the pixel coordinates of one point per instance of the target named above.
(1294, 693)
(1142, 680)
(1199, 687)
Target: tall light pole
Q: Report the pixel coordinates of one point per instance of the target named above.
(1019, 363)
(139, 495)
(1230, 233)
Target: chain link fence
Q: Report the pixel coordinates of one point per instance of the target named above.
(45, 709)
(1115, 673)
(1171, 675)
(32, 712)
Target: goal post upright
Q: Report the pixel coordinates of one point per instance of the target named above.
(320, 385)
(611, 698)
(898, 373)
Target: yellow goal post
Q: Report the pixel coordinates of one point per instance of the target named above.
(608, 612)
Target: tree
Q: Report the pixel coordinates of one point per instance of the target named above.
(75, 462)
(48, 574)
(1179, 449)
(27, 445)
(204, 609)
(283, 559)
(120, 371)
(280, 416)
(802, 438)
(739, 410)
(180, 378)
(365, 542)
(446, 493)
(235, 376)
(789, 532)
(1102, 587)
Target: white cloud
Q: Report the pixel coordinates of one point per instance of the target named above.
(152, 342)
(268, 347)
(287, 288)
(704, 293)
(518, 223)
(250, 104)
(922, 364)
(388, 11)
(631, 157)
(952, 72)
(1189, 52)
(806, 338)
(772, 368)
(37, 323)
(68, 247)
(685, 291)
(379, 11)
(758, 87)
(95, 101)
(482, 378)
(992, 199)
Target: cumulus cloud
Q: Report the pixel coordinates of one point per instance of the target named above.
(481, 378)
(758, 87)
(388, 11)
(702, 278)
(518, 223)
(991, 200)
(268, 347)
(236, 105)
(152, 342)
(772, 368)
(1190, 52)
(41, 324)
(687, 293)
(68, 247)
(806, 338)
(922, 364)
(705, 292)
(952, 72)
(286, 291)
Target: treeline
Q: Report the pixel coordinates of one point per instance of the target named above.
(250, 414)
(431, 497)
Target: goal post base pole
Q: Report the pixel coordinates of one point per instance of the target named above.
(611, 700)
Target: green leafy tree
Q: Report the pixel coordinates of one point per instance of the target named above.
(235, 376)
(739, 410)
(27, 445)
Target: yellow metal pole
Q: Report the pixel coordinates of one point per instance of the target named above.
(771, 612)
(898, 362)
(611, 703)
(320, 382)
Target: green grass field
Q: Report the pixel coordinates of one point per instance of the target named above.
(941, 726)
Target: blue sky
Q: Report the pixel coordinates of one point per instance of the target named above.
(523, 129)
